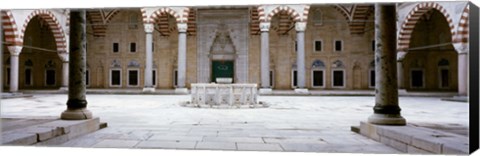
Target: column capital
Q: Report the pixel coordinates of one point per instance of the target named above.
(15, 50)
(182, 27)
(264, 26)
(461, 48)
(401, 55)
(300, 26)
(64, 57)
(148, 27)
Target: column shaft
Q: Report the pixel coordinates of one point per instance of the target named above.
(14, 72)
(463, 74)
(64, 74)
(77, 103)
(182, 59)
(386, 110)
(300, 59)
(401, 83)
(265, 60)
(148, 61)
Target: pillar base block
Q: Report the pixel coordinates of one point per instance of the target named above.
(301, 91)
(265, 91)
(76, 114)
(148, 89)
(181, 91)
(63, 89)
(387, 119)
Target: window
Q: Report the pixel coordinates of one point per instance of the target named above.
(294, 78)
(317, 17)
(175, 78)
(115, 47)
(417, 78)
(28, 77)
(372, 78)
(318, 46)
(115, 77)
(154, 77)
(133, 47)
(271, 78)
(338, 78)
(373, 45)
(133, 77)
(87, 77)
(338, 45)
(133, 22)
(7, 83)
(50, 77)
(318, 78)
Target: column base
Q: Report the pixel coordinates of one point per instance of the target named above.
(76, 114)
(181, 91)
(148, 89)
(265, 91)
(387, 119)
(301, 91)
(63, 89)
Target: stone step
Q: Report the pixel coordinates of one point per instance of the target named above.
(417, 140)
(50, 133)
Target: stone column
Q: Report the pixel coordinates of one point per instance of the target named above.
(386, 110)
(400, 71)
(14, 68)
(462, 50)
(148, 83)
(265, 58)
(64, 58)
(77, 103)
(300, 28)
(463, 73)
(182, 58)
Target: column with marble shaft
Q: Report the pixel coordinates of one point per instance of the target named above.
(148, 83)
(182, 57)
(14, 67)
(264, 55)
(300, 28)
(77, 103)
(462, 73)
(400, 71)
(64, 57)
(386, 109)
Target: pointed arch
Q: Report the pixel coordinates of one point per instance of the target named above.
(156, 14)
(53, 24)
(463, 27)
(413, 17)
(10, 29)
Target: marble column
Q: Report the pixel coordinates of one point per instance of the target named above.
(64, 58)
(400, 71)
(14, 68)
(386, 109)
(300, 28)
(148, 83)
(265, 58)
(182, 58)
(77, 103)
(463, 73)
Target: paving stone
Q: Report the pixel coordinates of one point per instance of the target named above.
(167, 144)
(258, 147)
(81, 142)
(176, 138)
(302, 147)
(233, 139)
(116, 143)
(427, 143)
(293, 140)
(394, 143)
(216, 145)
(414, 150)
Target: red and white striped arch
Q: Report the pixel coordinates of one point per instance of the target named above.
(53, 24)
(463, 28)
(295, 15)
(10, 29)
(414, 16)
(179, 17)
